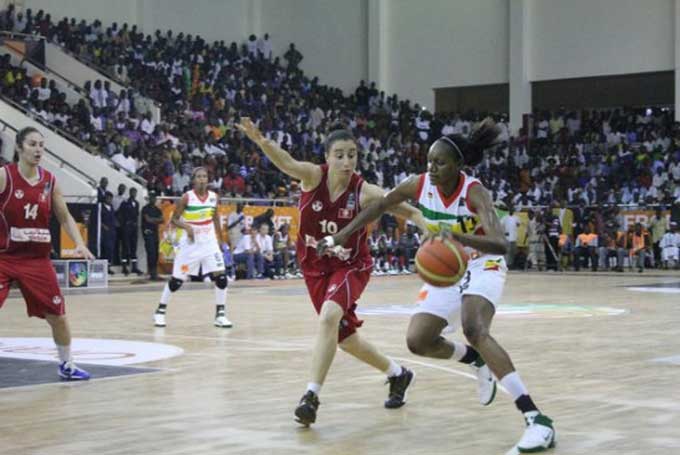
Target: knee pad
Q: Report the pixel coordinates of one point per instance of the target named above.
(220, 280)
(174, 284)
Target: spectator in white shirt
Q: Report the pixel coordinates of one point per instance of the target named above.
(99, 95)
(264, 252)
(244, 253)
(510, 225)
(147, 126)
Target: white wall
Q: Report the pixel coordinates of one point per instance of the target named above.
(579, 38)
(214, 20)
(105, 10)
(444, 43)
(332, 36)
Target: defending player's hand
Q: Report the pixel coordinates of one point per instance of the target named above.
(83, 252)
(249, 128)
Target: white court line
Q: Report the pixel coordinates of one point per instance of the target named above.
(448, 370)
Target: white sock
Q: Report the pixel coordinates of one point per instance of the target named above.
(64, 353)
(165, 297)
(459, 350)
(220, 296)
(394, 369)
(513, 384)
(314, 387)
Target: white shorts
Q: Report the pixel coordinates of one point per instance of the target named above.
(191, 257)
(485, 277)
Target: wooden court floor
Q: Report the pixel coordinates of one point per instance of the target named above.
(599, 358)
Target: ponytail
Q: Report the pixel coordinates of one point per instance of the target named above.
(470, 151)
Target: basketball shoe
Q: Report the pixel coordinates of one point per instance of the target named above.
(486, 383)
(305, 413)
(398, 388)
(68, 371)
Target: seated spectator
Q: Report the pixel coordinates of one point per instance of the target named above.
(264, 252)
(244, 253)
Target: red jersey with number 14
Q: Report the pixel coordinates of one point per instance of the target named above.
(25, 211)
(320, 217)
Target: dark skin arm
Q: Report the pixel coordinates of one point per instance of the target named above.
(493, 241)
(401, 193)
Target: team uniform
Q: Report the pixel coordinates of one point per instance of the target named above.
(485, 275)
(25, 242)
(340, 277)
(204, 252)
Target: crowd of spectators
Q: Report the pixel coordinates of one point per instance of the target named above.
(586, 160)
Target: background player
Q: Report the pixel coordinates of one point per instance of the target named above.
(199, 247)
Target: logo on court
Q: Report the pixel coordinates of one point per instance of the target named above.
(317, 206)
(19, 194)
(87, 350)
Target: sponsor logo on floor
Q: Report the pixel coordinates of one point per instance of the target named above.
(90, 351)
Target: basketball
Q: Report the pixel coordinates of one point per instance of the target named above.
(441, 263)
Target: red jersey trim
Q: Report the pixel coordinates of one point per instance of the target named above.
(421, 183)
(451, 199)
(207, 195)
(199, 223)
(467, 199)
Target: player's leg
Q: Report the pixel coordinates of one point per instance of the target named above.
(398, 377)
(38, 282)
(213, 264)
(184, 265)
(477, 314)
(438, 308)
(325, 346)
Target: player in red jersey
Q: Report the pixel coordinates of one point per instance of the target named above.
(332, 195)
(28, 196)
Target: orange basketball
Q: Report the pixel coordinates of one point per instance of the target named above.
(441, 263)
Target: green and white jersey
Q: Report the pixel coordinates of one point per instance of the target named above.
(451, 213)
(199, 214)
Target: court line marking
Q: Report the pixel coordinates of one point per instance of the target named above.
(448, 370)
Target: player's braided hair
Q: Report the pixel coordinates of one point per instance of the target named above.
(470, 151)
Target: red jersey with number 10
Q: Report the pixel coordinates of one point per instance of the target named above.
(25, 211)
(320, 217)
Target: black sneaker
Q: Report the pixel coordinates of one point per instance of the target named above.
(306, 410)
(398, 386)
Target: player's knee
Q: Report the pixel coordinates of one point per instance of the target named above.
(174, 284)
(418, 344)
(475, 332)
(330, 314)
(220, 280)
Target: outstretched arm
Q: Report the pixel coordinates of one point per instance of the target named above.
(371, 193)
(401, 193)
(493, 241)
(310, 174)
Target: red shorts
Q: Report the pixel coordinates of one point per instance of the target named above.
(344, 287)
(37, 281)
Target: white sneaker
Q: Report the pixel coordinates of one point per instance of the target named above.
(486, 384)
(289, 276)
(159, 319)
(222, 321)
(538, 436)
